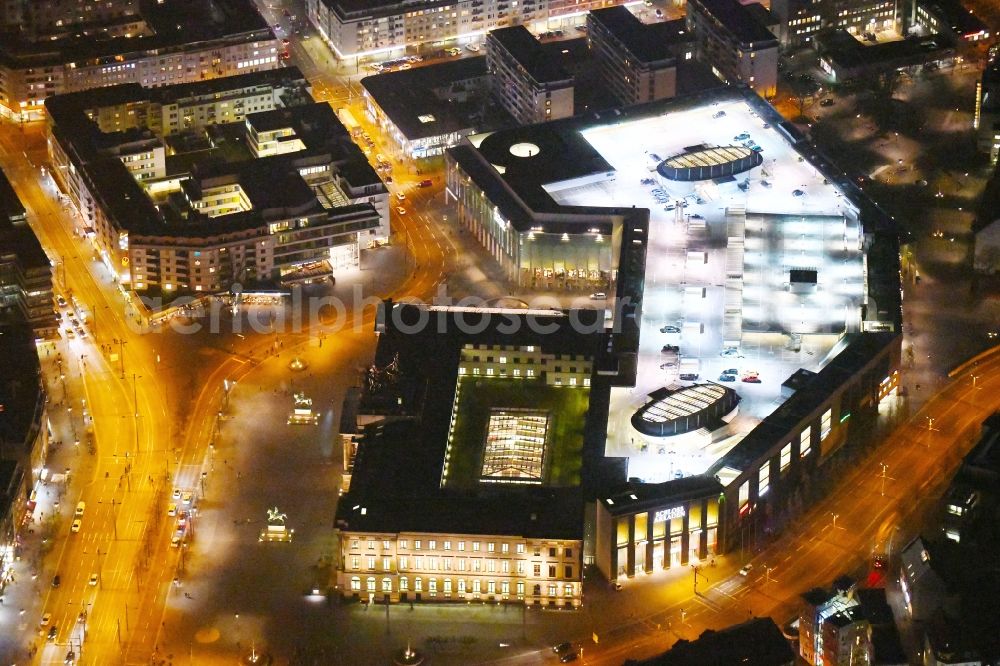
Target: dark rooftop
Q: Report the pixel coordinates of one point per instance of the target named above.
(529, 54)
(16, 237)
(11, 207)
(961, 20)
(642, 496)
(738, 20)
(648, 43)
(175, 23)
(410, 96)
(21, 393)
(844, 50)
(756, 642)
(399, 462)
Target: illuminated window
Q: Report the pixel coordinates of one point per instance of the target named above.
(764, 479)
(786, 456)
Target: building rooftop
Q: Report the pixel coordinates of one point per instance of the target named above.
(400, 461)
(21, 393)
(273, 182)
(648, 43)
(175, 24)
(845, 51)
(421, 102)
(526, 50)
(16, 237)
(960, 19)
(757, 642)
(739, 20)
(11, 208)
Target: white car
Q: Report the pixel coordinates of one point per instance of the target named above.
(400, 196)
(745, 571)
(45, 620)
(80, 507)
(177, 494)
(472, 47)
(598, 296)
(75, 527)
(400, 210)
(186, 499)
(93, 579)
(171, 509)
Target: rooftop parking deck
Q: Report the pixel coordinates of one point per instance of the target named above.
(760, 273)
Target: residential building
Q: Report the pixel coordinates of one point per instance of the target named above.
(637, 61)
(732, 38)
(756, 642)
(25, 269)
(847, 639)
(922, 579)
(532, 87)
(799, 20)
(52, 18)
(193, 188)
(173, 42)
(359, 29)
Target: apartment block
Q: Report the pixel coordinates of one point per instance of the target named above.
(224, 38)
(360, 28)
(637, 61)
(193, 188)
(532, 87)
(734, 41)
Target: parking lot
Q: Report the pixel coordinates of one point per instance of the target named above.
(718, 282)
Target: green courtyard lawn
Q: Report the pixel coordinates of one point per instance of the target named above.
(567, 411)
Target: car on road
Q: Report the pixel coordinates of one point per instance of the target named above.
(425, 183)
(81, 333)
(93, 579)
(666, 349)
(727, 378)
(285, 42)
(176, 494)
(826, 102)
(568, 657)
(80, 507)
(743, 136)
(56, 580)
(670, 328)
(562, 648)
(75, 527)
(182, 519)
(61, 301)
(70, 335)
(44, 622)
(718, 114)
(598, 296)
(745, 571)
(175, 540)
(688, 377)
(53, 632)
(453, 51)
(400, 196)
(797, 193)
(731, 352)
(474, 48)
(171, 509)
(400, 210)
(285, 55)
(730, 371)
(751, 379)
(186, 499)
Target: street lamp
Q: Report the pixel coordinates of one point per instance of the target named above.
(835, 516)
(884, 470)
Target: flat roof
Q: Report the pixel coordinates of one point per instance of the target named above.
(647, 42)
(417, 100)
(273, 183)
(526, 50)
(176, 24)
(737, 19)
(21, 394)
(10, 204)
(400, 461)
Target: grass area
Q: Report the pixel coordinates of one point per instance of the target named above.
(567, 407)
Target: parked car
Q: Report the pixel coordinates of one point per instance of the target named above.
(727, 378)
(751, 379)
(400, 210)
(45, 620)
(598, 296)
(56, 580)
(472, 47)
(568, 657)
(670, 328)
(797, 193)
(688, 377)
(730, 371)
(425, 183)
(719, 114)
(670, 348)
(826, 102)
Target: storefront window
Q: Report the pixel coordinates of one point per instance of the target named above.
(623, 531)
(712, 513)
(694, 515)
(640, 526)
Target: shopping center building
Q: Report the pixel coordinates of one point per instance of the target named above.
(195, 187)
(768, 288)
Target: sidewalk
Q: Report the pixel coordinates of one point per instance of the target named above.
(23, 595)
